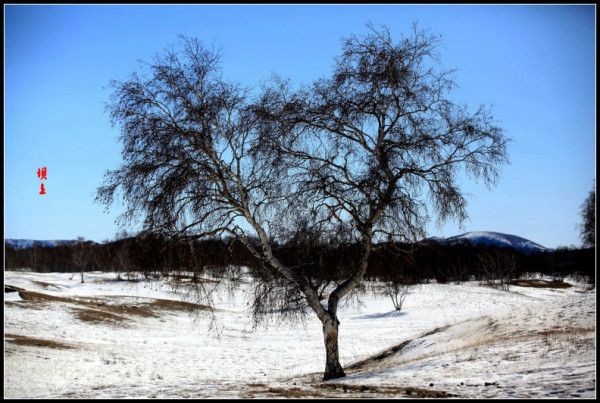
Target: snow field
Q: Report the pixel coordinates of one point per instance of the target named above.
(528, 342)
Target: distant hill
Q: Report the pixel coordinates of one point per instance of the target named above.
(488, 238)
(29, 243)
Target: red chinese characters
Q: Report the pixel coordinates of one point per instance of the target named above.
(41, 174)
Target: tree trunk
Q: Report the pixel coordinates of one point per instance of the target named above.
(333, 369)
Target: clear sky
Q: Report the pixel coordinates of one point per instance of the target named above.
(534, 64)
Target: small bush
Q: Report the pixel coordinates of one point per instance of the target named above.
(397, 292)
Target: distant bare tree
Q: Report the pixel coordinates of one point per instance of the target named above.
(348, 159)
(397, 292)
(498, 268)
(81, 255)
(588, 215)
(122, 258)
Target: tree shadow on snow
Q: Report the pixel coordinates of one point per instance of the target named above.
(391, 314)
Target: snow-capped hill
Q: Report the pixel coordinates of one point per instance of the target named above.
(435, 239)
(488, 238)
(29, 243)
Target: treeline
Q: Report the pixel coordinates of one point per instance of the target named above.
(135, 254)
(455, 263)
(389, 262)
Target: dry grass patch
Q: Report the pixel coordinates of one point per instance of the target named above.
(93, 303)
(142, 311)
(386, 391)
(96, 316)
(40, 297)
(185, 279)
(107, 310)
(32, 341)
(363, 364)
(567, 331)
(341, 390)
(175, 305)
(293, 393)
(541, 283)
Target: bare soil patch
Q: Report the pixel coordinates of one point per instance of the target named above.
(32, 341)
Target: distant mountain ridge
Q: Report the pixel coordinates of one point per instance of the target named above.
(477, 238)
(30, 243)
(489, 238)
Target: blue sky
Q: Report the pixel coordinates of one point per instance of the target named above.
(534, 64)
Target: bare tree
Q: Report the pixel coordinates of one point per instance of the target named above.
(191, 163)
(370, 145)
(81, 256)
(588, 215)
(397, 292)
(346, 160)
(499, 268)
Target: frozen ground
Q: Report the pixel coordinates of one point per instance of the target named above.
(109, 339)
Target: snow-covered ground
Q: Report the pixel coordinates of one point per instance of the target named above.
(106, 338)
